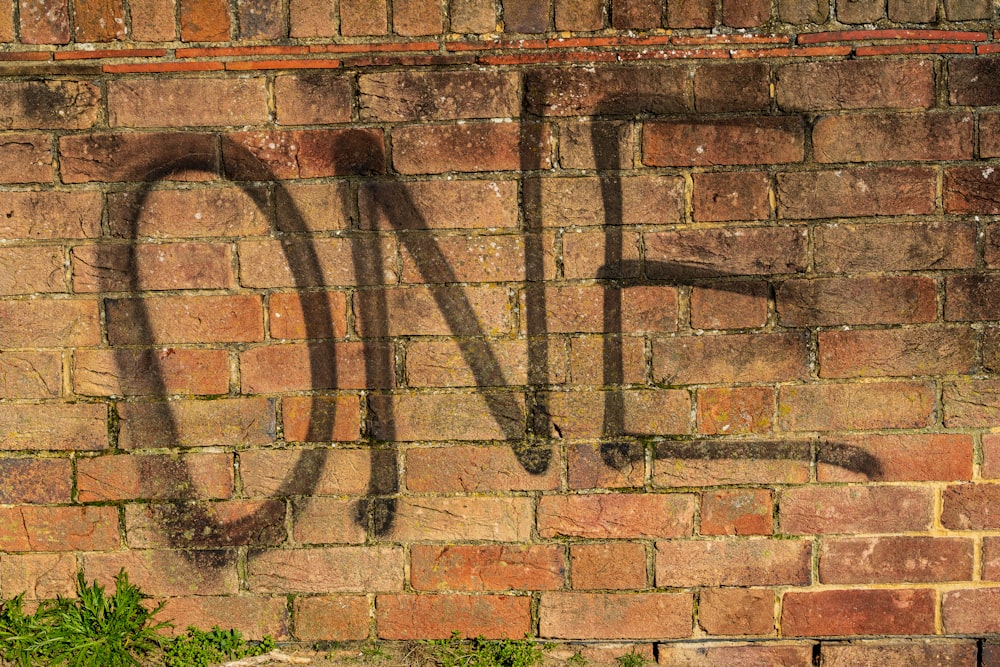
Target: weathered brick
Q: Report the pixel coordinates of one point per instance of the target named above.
(402, 96)
(301, 207)
(615, 615)
(858, 612)
(206, 525)
(834, 407)
(971, 403)
(463, 519)
(912, 651)
(970, 507)
(609, 565)
(285, 154)
(204, 20)
(443, 363)
(51, 426)
(167, 573)
(297, 315)
(25, 158)
(585, 202)
(187, 213)
(746, 562)
(260, 19)
(804, 11)
(137, 156)
(883, 137)
(438, 204)
(475, 147)
(301, 366)
(705, 654)
(615, 90)
(814, 86)
(320, 520)
(836, 301)
(989, 135)
(579, 414)
(967, 10)
(326, 570)
(598, 516)
(735, 410)
(437, 616)
(185, 319)
(416, 17)
(728, 196)
(852, 193)
(692, 254)
(970, 611)
(454, 416)
(579, 15)
(912, 11)
(98, 21)
(473, 469)
(729, 306)
(312, 98)
(873, 560)
(153, 20)
(896, 458)
(49, 104)
(255, 617)
(32, 528)
(473, 16)
(743, 14)
(155, 476)
(331, 618)
(607, 652)
(729, 358)
(692, 14)
(738, 462)
(150, 372)
(474, 259)
(439, 311)
(971, 190)
(990, 468)
(736, 611)
(30, 374)
(897, 352)
(45, 21)
(974, 81)
(145, 266)
(323, 262)
(167, 102)
(49, 323)
(860, 11)
(193, 423)
(526, 16)
(585, 349)
(321, 418)
(843, 248)
(991, 559)
(7, 21)
(590, 466)
(38, 576)
(364, 17)
(760, 140)
(587, 309)
(587, 144)
(27, 270)
(312, 18)
(855, 509)
(737, 512)
(301, 472)
(635, 14)
(486, 568)
(50, 215)
(35, 481)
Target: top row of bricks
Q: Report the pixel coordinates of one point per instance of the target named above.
(88, 21)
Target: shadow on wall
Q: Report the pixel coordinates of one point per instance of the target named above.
(185, 524)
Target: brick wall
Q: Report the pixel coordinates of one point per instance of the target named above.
(338, 320)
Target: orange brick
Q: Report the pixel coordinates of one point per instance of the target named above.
(204, 20)
(854, 509)
(736, 611)
(907, 652)
(455, 416)
(168, 573)
(51, 426)
(616, 515)
(288, 472)
(166, 102)
(193, 423)
(918, 458)
(304, 315)
(463, 519)
(735, 411)
(704, 654)
(833, 407)
(761, 140)
(98, 21)
(285, 154)
(580, 202)
(49, 323)
(588, 308)
(738, 462)
(745, 562)
(255, 617)
(329, 521)
(729, 358)
(486, 568)
(170, 266)
(326, 570)
(895, 560)
(627, 352)
(312, 98)
(275, 368)
(153, 20)
(364, 17)
(45, 22)
(858, 612)
(331, 618)
(30, 374)
(737, 512)
(578, 414)
(437, 616)
(615, 615)
(474, 469)
(185, 319)
(321, 418)
(38, 576)
(403, 96)
(211, 525)
(31, 270)
(327, 262)
(50, 215)
(606, 466)
(475, 147)
(156, 476)
(312, 18)
(439, 311)
(729, 306)
(29, 528)
(35, 481)
(438, 204)
(128, 372)
(897, 352)
(137, 156)
(495, 363)
(610, 565)
(187, 213)
(970, 507)
(25, 158)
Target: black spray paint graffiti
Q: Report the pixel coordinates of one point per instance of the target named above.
(186, 524)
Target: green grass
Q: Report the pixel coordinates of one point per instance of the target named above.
(482, 652)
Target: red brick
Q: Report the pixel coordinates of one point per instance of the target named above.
(860, 11)
(157, 476)
(833, 407)
(842, 248)
(729, 306)
(172, 266)
(526, 16)
(185, 319)
(50, 215)
(882, 137)
(858, 612)
(276, 368)
(475, 259)
(416, 311)
(744, 14)
(635, 14)
(748, 562)
(437, 616)
(804, 11)
(45, 22)
(744, 86)
(732, 251)
(587, 144)
(301, 207)
(639, 412)
(38, 482)
(307, 315)
(32, 270)
(331, 618)
(255, 617)
(167, 573)
(605, 516)
(737, 462)
(615, 615)
(463, 519)
(321, 418)
(49, 104)
(364, 17)
(609, 565)
(852, 193)
(580, 202)
(875, 560)
(194, 423)
(585, 309)
(974, 81)
(991, 559)
(204, 20)
(324, 262)
(737, 512)
(146, 156)
(836, 301)
(475, 147)
(227, 523)
(613, 90)
(400, 96)
(896, 458)
(49, 323)
(30, 374)
(989, 135)
(855, 509)
(474, 469)
(991, 457)
(900, 654)
(971, 403)
(970, 507)
(703, 654)
(579, 15)
(416, 17)
(261, 19)
(312, 98)
(153, 20)
(732, 196)
(98, 21)
(736, 611)
(443, 363)
(320, 520)
(473, 16)
(455, 416)
(584, 349)
(971, 190)
(284, 154)
(166, 102)
(912, 11)
(589, 469)
(30, 528)
(25, 158)
(729, 358)
(150, 372)
(303, 472)
(438, 204)
(691, 14)
(186, 213)
(52, 426)
(815, 86)
(312, 18)
(896, 352)
(760, 140)
(970, 611)
(486, 568)
(38, 576)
